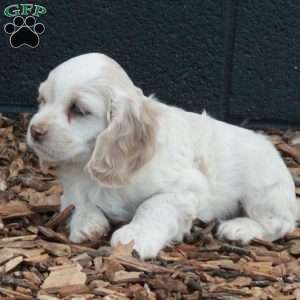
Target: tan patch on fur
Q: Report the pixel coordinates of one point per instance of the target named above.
(126, 145)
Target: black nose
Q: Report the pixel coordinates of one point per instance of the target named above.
(38, 132)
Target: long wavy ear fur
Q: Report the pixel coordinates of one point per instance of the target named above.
(127, 144)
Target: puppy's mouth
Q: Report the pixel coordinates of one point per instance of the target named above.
(46, 154)
(55, 157)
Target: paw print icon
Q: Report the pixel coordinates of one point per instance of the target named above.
(24, 32)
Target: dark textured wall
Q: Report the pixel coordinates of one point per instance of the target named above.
(266, 66)
(237, 60)
(171, 48)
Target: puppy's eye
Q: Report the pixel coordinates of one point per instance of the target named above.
(77, 110)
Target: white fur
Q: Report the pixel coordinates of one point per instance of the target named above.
(201, 168)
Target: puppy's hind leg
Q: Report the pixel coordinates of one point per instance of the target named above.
(240, 229)
(271, 214)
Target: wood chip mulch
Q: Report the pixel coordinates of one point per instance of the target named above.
(38, 262)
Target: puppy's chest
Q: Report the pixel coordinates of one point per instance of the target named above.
(118, 205)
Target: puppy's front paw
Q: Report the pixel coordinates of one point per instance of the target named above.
(88, 227)
(146, 243)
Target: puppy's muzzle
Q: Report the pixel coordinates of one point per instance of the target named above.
(38, 132)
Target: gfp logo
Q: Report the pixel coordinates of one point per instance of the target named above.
(24, 30)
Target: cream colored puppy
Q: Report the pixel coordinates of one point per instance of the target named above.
(125, 157)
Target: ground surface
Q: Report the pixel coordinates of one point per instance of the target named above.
(38, 262)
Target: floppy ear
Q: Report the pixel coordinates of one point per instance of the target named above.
(128, 142)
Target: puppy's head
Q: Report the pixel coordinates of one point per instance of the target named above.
(91, 114)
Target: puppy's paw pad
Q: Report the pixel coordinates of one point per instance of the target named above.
(93, 234)
(76, 237)
(240, 229)
(91, 228)
(124, 235)
(144, 244)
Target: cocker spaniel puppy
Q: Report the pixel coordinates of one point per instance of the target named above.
(125, 157)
